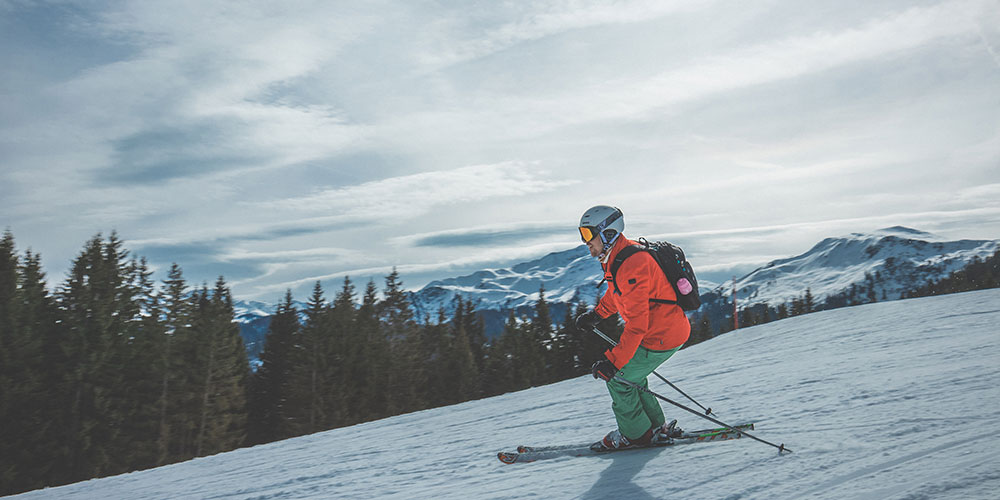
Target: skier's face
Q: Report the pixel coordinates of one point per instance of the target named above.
(596, 246)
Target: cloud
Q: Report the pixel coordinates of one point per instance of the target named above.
(204, 88)
(535, 21)
(220, 240)
(197, 260)
(409, 196)
(322, 254)
(772, 61)
(155, 156)
(498, 235)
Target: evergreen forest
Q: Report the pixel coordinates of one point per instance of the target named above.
(112, 372)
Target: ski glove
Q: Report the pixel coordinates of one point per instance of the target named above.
(604, 369)
(587, 321)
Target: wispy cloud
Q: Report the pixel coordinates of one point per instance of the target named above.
(206, 83)
(494, 235)
(412, 195)
(536, 21)
(763, 63)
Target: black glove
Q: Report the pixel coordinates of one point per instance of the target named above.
(604, 369)
(587, 320)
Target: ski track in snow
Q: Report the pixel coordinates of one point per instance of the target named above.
(894, 400)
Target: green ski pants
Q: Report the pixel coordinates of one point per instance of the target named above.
(637, 411)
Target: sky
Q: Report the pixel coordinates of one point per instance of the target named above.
(280, 144)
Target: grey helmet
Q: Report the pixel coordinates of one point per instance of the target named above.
(604, 222)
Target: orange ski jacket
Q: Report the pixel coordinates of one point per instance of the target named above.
(655, 326)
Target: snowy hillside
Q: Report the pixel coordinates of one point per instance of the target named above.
(897, 259)
(893, 400)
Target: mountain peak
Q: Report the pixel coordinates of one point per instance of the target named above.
(907, 232)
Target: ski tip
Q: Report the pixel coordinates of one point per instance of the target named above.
(507, 457)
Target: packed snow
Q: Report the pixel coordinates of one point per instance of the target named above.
(893, 400)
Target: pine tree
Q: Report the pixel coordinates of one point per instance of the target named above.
(407, 375)
(174, 390)
(525, 360)
(435, 347)
(590, 347)
(224, 371)
(375, 353)
(9, 278)
(500, 370)
(461, 372)
(782, 311)
(29, 405)
(307, 408)
(702, 330)
(11, 388)
(562, 364)
(540, 339)
(476, 331)
(96, 304)
(346, 351)
(140, 402)
(270, 385)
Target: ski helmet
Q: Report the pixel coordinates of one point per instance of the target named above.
(604, 222)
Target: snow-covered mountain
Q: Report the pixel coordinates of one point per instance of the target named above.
(568, 277)
(885, 401)
(900, 258)
(891, 261)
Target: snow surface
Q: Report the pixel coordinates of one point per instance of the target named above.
(894, 400)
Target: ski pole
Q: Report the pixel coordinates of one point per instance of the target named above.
(781, 448)
(708, 411)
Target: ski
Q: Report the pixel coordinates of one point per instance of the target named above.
(525, 454)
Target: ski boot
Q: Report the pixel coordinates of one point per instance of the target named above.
(666, 433)
(615, 440)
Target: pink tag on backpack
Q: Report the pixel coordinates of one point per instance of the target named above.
(684, 286)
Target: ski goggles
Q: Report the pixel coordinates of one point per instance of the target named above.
(590, 232)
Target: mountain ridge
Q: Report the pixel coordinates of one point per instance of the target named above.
(900, 257)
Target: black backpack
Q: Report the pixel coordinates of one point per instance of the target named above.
(678, 270)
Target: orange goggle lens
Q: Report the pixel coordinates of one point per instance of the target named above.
(587, 234)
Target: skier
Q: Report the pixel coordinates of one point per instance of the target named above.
(654, 331)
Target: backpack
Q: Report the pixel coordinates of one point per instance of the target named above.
(671, 260)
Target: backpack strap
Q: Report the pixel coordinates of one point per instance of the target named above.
(619, 259)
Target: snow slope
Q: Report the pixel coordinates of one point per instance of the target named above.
(893, 400)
